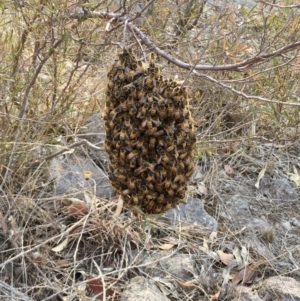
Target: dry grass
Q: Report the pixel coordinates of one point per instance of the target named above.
(53, 73)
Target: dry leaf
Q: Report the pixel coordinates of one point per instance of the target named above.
(87, 174)
(225, 257)
(201, 189)
(260, 176)
(61, 246)
(166, 246)
(205, 245)
(119, 208)
(295, 177)
(245, 276)
(186, 284)
(78, 210)
(213, 235)
(228, 170)
(62, 263)
(3, 223)
(97, 287)
(215, 296)
(171, 240)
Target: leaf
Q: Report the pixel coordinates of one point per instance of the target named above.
(61, 246)
(245, 276)
(201, 189)
(96, 285)
(225, 257)
(213, 235)
(215, 296)
(228, 170)
(78, 210)
(62, 263)
(166, 246)
(295, 177)
(3, 223)
(119, 208)
(260, 176)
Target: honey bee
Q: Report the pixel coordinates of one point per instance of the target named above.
(160, 100)
(113, 164)
(141, 68)
(150, 177)
(107, 146)
(127, 123)
(129, 74)
(116, 129)
(147, 122)
(170, 191)
(145, 189)
(139, 143)
(151, 131)
(123, 134)
(152, 60)
(122, 153)
(132, 112)
(135, 198)
(158, 133)
(168, 92)
(139, 170)
(141, 93)
(130, 102)
(133, 134)
(120, 175)
(162, 111)
(152, 142)
(118, 144)
(174, 186)
(170, 109)
(151, 205)
(126, 192)
(150, 97)
(180, 178)
(177, 112)
(149, 81)
(132, 163)
(153, 108)
(160, 198)
(183, 154)
(167, 183)
(172, 168)
(158, 208)
(133, 154)
(120, 75)
(143, 110)
(145, 148)
(170, 148)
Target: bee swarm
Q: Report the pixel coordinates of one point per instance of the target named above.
(149, 135)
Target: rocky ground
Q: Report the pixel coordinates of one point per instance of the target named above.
(236, 238)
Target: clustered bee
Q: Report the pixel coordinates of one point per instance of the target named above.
(150, 138)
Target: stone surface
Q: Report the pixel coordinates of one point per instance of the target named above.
(280, 288)
(142, 289)
(94, 132)
(179, 266)
(68, 175)
(191, 212)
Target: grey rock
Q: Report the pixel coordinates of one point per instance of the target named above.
(142, 289)
(280, 288)
(191, 212)
(237, 212)
(282, 192)
(94, 132)
(179, 266)
(68, 176)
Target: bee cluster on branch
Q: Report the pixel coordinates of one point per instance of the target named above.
(149, 134)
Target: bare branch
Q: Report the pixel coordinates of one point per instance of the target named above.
(244, 94)
(208, 67)
(280, 6)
